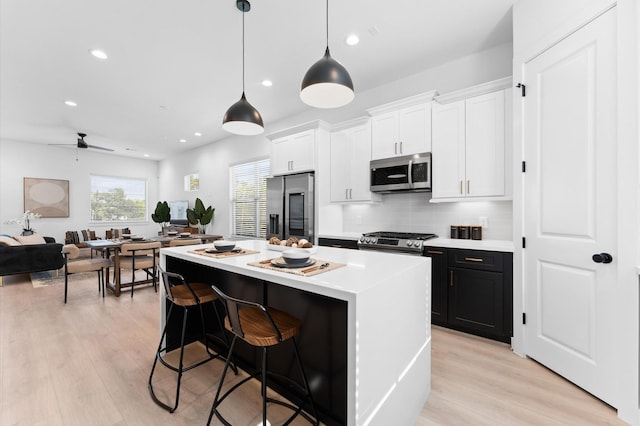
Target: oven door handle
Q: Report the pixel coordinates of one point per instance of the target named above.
(411, 173)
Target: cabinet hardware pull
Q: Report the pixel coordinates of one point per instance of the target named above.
(434, 252)
(461, 187)
(400, 147)
(468, 186)
(346, 193)
(351, 193)
(395, 148)
(451, 278)
(473, 259)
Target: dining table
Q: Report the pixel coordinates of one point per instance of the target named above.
(112, 246)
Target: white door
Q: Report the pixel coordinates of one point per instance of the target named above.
(570, 206)
(384, 136)
(414, 129)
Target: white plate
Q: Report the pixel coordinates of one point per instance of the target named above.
(281, 263)
(283, 248)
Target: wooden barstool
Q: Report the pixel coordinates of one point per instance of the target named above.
(183, 294)
(261, 327)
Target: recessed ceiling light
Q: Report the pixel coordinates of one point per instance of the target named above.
(352, 40)
(70, 103)
(147, 155)
(267, 83)
(98, 53)
(183, 140)
(197, 134)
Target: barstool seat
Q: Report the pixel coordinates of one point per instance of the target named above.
(262, 327)
(183, 294)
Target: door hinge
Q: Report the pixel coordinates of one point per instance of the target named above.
(524, 242)
(523, 88)
(524, 318)
(524, 167)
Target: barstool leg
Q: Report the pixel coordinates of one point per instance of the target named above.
(304, 380)
(214, 406)
(155, 362)
(180, 365)
(264, 386)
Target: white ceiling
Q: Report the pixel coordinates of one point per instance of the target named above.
(174, 67)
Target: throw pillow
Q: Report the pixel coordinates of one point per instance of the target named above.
(30, 239)
(85, 235)
(72, 237)
(8, 241)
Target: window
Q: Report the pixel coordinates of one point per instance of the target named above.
(249, 199)
(192, 182)
(115, 199)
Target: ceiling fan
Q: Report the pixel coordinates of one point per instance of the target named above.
(82, 144)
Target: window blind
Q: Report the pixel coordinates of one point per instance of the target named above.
(249, 198)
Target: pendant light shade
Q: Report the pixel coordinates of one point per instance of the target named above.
(242, 118)
(327, 84)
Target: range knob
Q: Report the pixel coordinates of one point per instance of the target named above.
(362, 239)
(409, 243)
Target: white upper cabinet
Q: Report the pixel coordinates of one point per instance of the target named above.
(293, 153)
(468, 145)
(402, 127)
(350, 157)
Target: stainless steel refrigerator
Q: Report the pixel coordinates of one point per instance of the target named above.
(290, 206)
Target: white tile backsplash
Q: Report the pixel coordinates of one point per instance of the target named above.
(412, 212)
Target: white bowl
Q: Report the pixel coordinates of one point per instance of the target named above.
(295, 256)
(172, 232)
(185, 234)
(137, 237)
(223, 245)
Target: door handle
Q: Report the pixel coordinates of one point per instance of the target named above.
(395, 148)
(400, 147)
(602, 258)
(451, 278)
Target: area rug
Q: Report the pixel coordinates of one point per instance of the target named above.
(48, 278)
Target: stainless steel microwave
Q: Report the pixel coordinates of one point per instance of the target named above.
(406, 173)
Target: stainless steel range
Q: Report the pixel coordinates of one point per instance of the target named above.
(404, 242)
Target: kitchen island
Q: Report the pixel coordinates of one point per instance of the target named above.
(365, 341)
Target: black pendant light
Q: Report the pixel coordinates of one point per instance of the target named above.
(242, 118)
(327, 84)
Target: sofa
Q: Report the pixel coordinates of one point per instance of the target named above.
(26, 254)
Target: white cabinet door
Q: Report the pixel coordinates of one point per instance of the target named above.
(384, 136)
(469, 147)
(350, 156)
(414, 129)
(402, 132)
(485, 132)
(340, 151)
(448, 153)
(293, 154)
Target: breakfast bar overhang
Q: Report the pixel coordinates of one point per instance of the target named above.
(365, 341)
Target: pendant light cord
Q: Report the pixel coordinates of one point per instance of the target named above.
(327, 23)
(243, 12)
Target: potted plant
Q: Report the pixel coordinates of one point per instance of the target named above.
(200, 216)
(162, 214)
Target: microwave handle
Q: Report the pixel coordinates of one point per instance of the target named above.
(411, 173)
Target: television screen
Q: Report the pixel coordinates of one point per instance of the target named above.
(179, 212)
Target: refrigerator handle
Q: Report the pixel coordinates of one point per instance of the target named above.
(273, 224)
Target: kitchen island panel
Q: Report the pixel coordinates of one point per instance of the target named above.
(372, 316)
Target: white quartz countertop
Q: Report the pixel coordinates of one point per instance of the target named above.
(354, 236)
(489, 245)
(364, 270)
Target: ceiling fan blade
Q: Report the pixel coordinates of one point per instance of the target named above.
(61, 144)
(99, 147)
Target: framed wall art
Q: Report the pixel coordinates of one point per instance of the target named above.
(48, 197)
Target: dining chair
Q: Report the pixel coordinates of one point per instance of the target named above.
(137, 256)
(70, 252)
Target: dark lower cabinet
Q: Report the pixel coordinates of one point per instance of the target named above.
(338, 243)
(472, 291)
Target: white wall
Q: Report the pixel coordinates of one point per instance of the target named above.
(213, 160)
(20, 159)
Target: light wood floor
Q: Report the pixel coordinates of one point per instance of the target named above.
(87, 363)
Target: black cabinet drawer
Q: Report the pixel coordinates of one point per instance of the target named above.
(476, 259)
(338, 243)
(439, 284)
